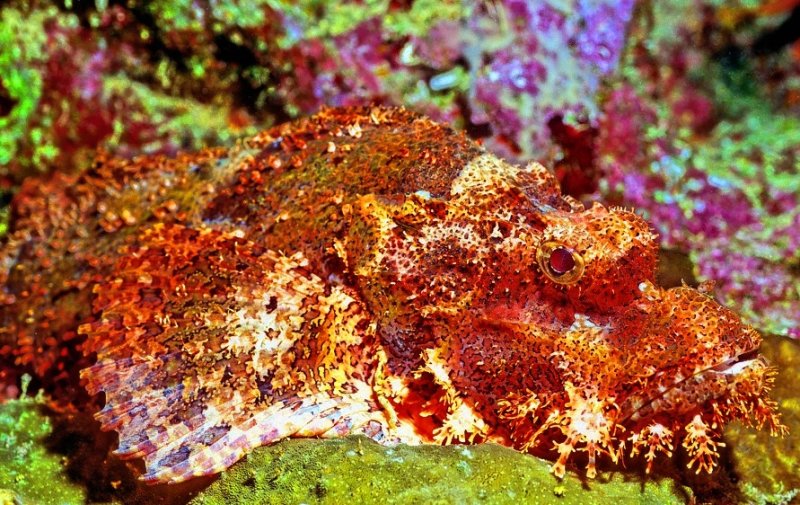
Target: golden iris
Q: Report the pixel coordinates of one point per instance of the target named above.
(560, 263)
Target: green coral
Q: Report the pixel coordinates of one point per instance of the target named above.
(327, 19)
(177, 14)
(758, 497)
(324, 19)
(764, 141)
(174, 117)
(28, 472)
(424, 15)
(187, 15)
(3, 221)
(23, 50)
(22, 40)
(358, 470)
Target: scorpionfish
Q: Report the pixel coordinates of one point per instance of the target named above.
(363, 271)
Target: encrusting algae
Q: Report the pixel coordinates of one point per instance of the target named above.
(357, 470)
(29, 473)
(363, 271)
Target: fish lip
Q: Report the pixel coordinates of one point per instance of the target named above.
(730, 367)
(747, 354)
(736, 364)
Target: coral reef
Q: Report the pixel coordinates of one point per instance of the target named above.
(136, 77)
(357, 470)
(73, 82)
(693, 140)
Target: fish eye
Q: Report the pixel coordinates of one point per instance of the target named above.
(560, 263)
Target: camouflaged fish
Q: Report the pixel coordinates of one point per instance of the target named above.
(364, 271)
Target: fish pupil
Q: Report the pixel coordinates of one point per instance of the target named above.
(561, 261)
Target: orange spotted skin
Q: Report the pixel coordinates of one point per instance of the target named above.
(364, 270)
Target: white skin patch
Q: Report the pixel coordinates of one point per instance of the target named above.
(462, 422)
(584, 322)
(737, 368)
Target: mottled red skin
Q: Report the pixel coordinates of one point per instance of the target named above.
(363, 270)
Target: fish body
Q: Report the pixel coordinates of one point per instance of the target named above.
(363, 270)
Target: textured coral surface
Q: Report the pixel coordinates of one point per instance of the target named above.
(29, 472)
(703, 139)
(159, 76)
(360, 471)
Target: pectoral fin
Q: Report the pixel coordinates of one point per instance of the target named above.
(208, 347)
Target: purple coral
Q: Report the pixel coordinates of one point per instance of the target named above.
(705, 183)
(534, 62)
(603, 36)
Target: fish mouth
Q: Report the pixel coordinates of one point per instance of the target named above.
(704, 385)
(738, 364)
